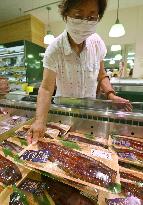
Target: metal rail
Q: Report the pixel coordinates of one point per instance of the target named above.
(40, 7)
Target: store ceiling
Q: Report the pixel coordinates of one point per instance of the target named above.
(9, 9)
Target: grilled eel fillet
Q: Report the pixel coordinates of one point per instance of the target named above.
(12, 146)
(132, 189)
(79, 165)
(129, 154)
(129, 143)
(77, 138)
(129, 176)
(9, 172)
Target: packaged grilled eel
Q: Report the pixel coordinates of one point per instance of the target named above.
(86, 138)
(124, 201)
(11, 146)
(76, 166)
(103, 139)
(50, 132)
(63, 194)
(13, 121)
(32, 192)
(63, 129)
(9, 172)
(18, 141)
(22, 131)
(129, 156)
(131, 175)
(132, 182)
(135, 144)
(88, 192)
(4, 129)
(132, 189)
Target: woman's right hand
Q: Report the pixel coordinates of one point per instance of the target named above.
(36, 131)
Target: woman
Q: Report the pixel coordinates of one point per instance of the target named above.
(74, 61)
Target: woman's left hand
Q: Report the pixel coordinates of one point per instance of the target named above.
(121, 102)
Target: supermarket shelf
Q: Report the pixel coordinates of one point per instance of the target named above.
(11, 55)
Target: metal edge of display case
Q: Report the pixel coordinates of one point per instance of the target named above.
(118, 117)
(107, 116)
(97, 128)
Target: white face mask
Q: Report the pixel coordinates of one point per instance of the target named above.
(80, 30)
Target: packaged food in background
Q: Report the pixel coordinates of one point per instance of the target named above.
(63, 129)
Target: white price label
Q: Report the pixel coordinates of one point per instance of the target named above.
(101, 154)
(15, 117)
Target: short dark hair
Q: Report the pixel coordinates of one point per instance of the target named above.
(66, 5)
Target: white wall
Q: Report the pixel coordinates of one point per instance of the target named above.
(138, 71)
(132, 19)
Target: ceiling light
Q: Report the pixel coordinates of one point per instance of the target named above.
(118, 57)
(131, 58)
(49, 38)
(30, 56)
(112, 62)
(107, 59)
(41, 54)
(116, 48)
(117, 30)
(130, 62)
(131, 54)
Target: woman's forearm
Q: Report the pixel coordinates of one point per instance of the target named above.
(104, 82)
(107, 88)
(106, 85)
(43, 105)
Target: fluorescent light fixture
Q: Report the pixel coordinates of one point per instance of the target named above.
(30, 56)
(41, 54)
(131, 58)
(130, 61)
(118, 57)
(112, 62)
(37, 62)
(117, 30)
(48, 39)
(116, 48)
(131, 54)
(107, 59)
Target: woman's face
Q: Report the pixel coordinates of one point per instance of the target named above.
(88, 10)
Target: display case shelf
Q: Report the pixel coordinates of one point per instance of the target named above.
(11, 55)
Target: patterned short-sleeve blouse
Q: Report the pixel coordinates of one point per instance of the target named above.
(76, 75)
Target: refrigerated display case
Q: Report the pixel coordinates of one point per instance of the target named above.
(130, 89)
(92, 132)
(21, 62)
